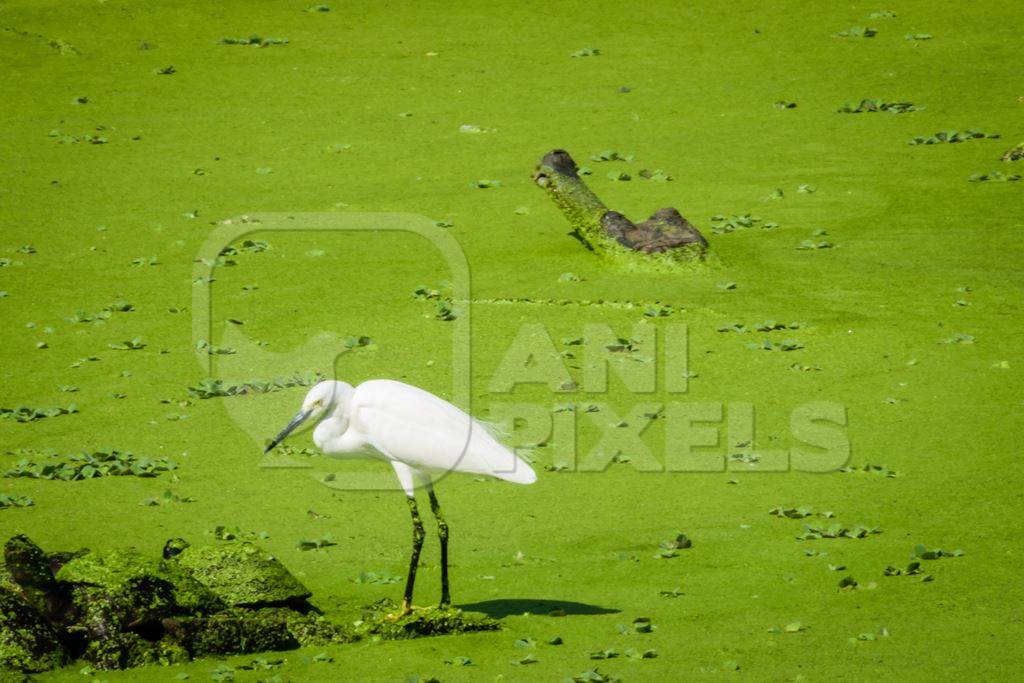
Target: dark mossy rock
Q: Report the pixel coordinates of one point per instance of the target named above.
(242, 575)
(240, 630)
(313, 629)
(129, 650)
(29, 573)
(6, 582)
(142, 588)
(119, 609)
(377, 621)
(58, 559)
(234, 631)
(28, 643)
(27, 564)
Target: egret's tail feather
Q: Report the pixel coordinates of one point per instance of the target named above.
(521, 473)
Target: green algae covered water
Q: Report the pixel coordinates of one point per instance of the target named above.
(848, 356)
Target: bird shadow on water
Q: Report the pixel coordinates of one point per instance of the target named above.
(498, 609)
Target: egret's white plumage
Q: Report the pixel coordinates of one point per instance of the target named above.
(406, 425)
(420, 434)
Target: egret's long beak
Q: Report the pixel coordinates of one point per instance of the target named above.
(296, 421)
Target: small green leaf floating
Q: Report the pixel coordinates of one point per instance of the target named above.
(959, 338)
(167, 498)
(880, 470)
(593, 676)
(643, 625)
(952, 137)
(530, 658)
(817, 530)
(725, 224)
(994, 176)
(253, 41)
(10, 500)
(792, 627)
(792, 513)
(923, 552)
(611, 155)
(858, 32)
(223, 674)
(28, 414)
(657, 175)
(669, 549)
(848, 583)
(768, 345)
(869, 637)
(213, 388)
(912, 569)
(445, 311)
(878, 105)
(134, 344)
(315, 544)
(381, 578)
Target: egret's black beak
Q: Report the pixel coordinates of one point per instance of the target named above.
(296, 421)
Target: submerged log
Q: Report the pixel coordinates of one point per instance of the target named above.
(603, 230)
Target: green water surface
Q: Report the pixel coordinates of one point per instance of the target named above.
(360, 111)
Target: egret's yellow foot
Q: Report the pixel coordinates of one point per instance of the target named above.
(405, 610)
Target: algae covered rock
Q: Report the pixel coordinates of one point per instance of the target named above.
(242, 575)
(239, 630)
(28, 643)
(422, 621)
(26, 563)
(128, 650)
(235, 630)
(118, 600)
(148, 585)
(119, 609)
(312, 629)
(27, 574)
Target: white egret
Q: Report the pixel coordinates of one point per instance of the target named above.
(419, 434)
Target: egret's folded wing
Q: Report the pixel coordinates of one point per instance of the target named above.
(412, 425)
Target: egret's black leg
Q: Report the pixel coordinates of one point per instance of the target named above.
(442, 534)
(417, 546)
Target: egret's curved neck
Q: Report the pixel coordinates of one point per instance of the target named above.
(338, 410)
(335, 419)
